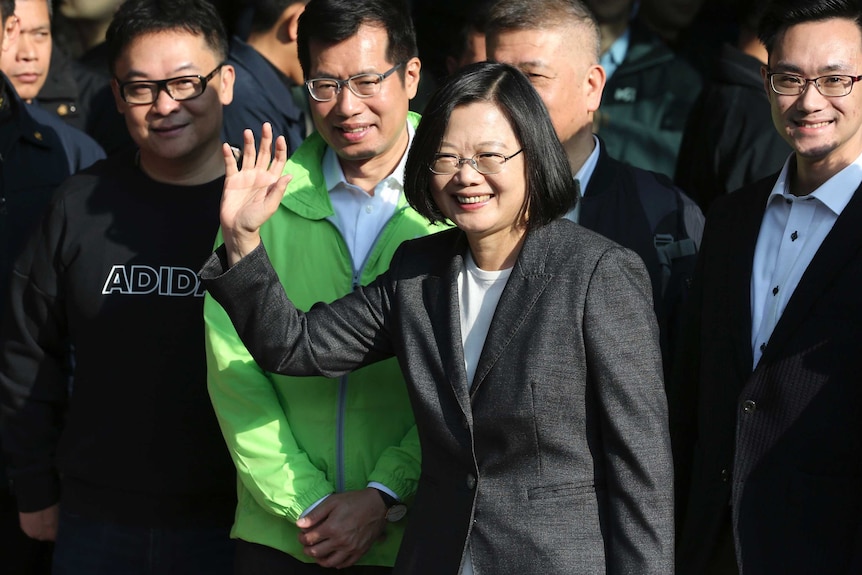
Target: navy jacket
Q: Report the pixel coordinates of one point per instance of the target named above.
(643, 211)
(260, 95)
(37, 152)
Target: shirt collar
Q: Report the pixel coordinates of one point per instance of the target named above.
(835, 193)
(333, 175)
(584, 174)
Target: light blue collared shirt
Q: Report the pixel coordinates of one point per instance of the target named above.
(792, 231)
(583, 176)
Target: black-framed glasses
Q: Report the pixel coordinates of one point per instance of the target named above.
(363, 85)
(181, 88)
(486, 163)
(831, 85)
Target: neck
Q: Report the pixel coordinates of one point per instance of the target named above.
(498, 251)
(203, 168)
(281, 54)
(610, 33)
(579, 148)
(749, 44)
(367, 173)
(808, 175)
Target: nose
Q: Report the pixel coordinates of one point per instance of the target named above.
(467, 172)
(810, 99)
(347, 103)
(26, 47)
(164, 104)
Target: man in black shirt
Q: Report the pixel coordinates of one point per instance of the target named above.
(126, 467)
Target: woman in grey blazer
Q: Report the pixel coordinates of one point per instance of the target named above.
(529, 344)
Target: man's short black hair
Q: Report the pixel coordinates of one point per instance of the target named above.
(550, 187)
(333, 21)
(7, 8)
(135, 18)
(781, 14)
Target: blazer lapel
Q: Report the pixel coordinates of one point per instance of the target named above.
(840, 246)
(741, 235)
(441, 293)
(526, 283)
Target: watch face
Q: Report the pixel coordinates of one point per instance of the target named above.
(396, 512)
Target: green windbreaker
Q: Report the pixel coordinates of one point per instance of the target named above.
(295, 440)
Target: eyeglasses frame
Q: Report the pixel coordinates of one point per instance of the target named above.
(339, 84)
(815, 81)
(471, 161)
(162, 86)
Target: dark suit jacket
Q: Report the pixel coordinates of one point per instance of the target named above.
(260, 95)
(781, 444)
(557, 460)
(614, 206)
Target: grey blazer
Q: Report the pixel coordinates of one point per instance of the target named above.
(558, 459)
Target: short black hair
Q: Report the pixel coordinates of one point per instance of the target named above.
(135, 18)
(550, 186)
(7, 8)
(781, 14)
(510, 15)
(333, 21)
(265, 13)
(462, 24)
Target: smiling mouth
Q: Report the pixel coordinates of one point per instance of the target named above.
(166, 129)
(358, 130)
(812, 125)
(473, 199)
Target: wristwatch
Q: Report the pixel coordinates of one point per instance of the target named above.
(395, 510)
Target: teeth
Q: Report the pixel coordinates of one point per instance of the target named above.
(817, 125)
(473, 199)
(353, 130)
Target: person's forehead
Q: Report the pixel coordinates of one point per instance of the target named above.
(177, 51)
(536, 40)
(535, 48)
(32, 12)
(823, 43)
(364, 51)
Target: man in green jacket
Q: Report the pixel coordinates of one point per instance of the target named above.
(326, 467)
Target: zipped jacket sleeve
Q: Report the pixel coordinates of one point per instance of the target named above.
(398, 466)
(269, 461)
(33, 374)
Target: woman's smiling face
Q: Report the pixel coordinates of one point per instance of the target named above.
(482, 206)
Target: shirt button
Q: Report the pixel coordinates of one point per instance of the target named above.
(725, 475)
(749, 406)
(471, 481)
(368, 209)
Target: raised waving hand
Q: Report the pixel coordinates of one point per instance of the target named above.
(251, 194)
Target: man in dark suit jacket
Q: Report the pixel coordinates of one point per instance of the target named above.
(267, 69)
(766, 406)
(638, 209)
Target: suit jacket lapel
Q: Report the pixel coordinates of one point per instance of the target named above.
(526, 283)
(741, 235)
(441, 291)
(840, 246)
